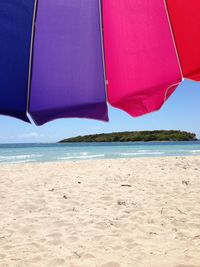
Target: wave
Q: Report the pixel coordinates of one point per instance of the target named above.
(4, 158)
(77, 153)
(24, 161)
(194, 151)
(141, 153)
(82, 157)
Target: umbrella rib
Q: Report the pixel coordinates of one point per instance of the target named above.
(103, 49)
(173, 38)
(31, 53)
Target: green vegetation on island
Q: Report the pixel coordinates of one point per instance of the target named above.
(140, 136)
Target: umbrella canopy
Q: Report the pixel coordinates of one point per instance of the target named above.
(52, 55)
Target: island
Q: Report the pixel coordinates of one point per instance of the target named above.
(135, 136)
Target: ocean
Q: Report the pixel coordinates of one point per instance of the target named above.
(22, 153)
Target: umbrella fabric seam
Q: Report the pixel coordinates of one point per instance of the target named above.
(103, 48)
(173, 38)
(31, 55)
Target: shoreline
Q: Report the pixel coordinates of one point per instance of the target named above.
(134, 142)
(94, 160)
(105, 213)
(115, 142)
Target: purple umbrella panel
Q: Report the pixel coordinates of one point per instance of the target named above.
(68, 78)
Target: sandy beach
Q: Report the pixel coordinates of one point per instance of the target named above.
(105, 213)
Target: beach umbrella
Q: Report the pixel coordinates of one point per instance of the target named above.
(61, 58)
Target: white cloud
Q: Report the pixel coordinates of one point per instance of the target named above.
(96, 128)
(28, 137)
(32, 135)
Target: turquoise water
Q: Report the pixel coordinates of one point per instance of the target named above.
(22, 153)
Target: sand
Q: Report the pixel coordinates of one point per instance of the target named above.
(106, 213)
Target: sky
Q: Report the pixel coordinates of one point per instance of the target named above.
(180, 112)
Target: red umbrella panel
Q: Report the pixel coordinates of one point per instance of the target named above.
(185, 21)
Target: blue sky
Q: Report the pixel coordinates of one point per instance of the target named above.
(181, 111)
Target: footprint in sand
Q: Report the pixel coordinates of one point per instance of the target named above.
(101, 225)
(2, 256)
(55, 235)
(55, 242)
(36, 259)
(60, 223)
(117, 247)
(107, 198)
(97, 237)
(73, 238)
(88, 256)
(56, 262)
(42, 240)
(111, 264)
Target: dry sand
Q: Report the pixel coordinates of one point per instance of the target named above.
(108, 213)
